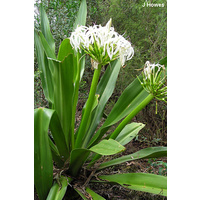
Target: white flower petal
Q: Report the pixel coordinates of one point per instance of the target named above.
(108, 41)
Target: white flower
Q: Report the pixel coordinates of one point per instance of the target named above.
(153, 82)
(103, 44)
(150, 69)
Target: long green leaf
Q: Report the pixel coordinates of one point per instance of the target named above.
(107, 147)
(129, 132)
(90, 194)
(79, 156)
(63, 96)
(58, 136)
(77, 159)
(46, 28)
(60, 151)
(151, 183)
(80, 192)
(81, 16)
(131, 100)
(105, 89)
(94, 195)
(95, 104)
(45, 72)
(55, 154)
(49, 52)
(58, 190)
(43, 164)
(78, 69)
(150, 152)
(65, 49)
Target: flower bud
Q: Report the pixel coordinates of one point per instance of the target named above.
(153, 82)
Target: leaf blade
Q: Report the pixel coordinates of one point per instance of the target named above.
(79, 156)
(151, 183)
(65, 49)
(46, 47)
(107, 147)
(63, 96)
(45, 71)
(81, 16)
(150, 152)
(46, 28)
(94, 195)
(129, 132)
(58, 136)
(43, 164)
(57, 193)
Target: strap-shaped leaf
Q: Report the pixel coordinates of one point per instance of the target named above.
(58, 190)
(129, 132)
(65, 49)
(130, 98)
(43, 164)
(46, 28)
(80, 192)
(81, 16)
(78, 58)
(58, 136)
(150, 152)
(63, 96)
(44, 68)
(90, 194)
(105, 89)
(78, 69)
(55, 154)
(133, 99)
(107, 147)
(95, 104)
(77, 159)
(79, 156)
(151, 183)
(49, 52)
(94, 195)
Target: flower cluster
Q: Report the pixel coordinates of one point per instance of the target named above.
(154, 80)
(103, 44)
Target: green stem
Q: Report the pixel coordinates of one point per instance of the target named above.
(84, 122)
(130, 116)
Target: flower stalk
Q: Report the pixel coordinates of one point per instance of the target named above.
(88, 109)
(126, 120)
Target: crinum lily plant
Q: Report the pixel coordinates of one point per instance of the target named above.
(67, 158)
